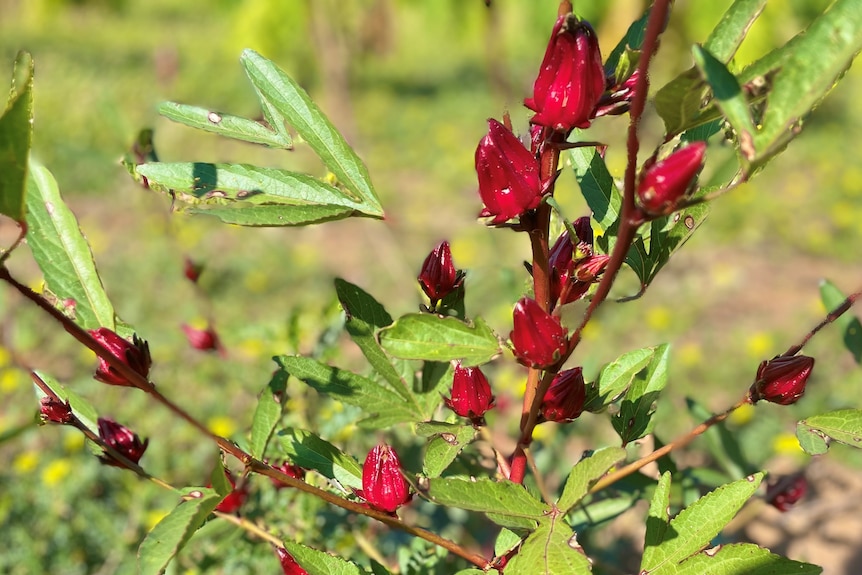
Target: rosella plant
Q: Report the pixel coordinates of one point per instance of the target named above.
(429, 392)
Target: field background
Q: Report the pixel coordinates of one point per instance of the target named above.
(411, 85)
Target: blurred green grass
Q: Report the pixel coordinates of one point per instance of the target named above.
(422, 85)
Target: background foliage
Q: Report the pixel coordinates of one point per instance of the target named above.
(422, 79)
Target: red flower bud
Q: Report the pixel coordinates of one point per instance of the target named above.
(564, 400)
(438, 277)
(471, 393)
(383, 486)
(571, 80)
(584, 229)
(508, 175)
(538, 338)
(235, 499)
(782, 379)
(135, 354)
(123, 440)
(192, 270)
(784, 492)
(590, 268)
(290, 470)
(664, 183)
(52, 409)
(288, 563)
(202, 339)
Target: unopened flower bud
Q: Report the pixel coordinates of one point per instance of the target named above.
(538, 338)
(471, 393)
(590, 268)
(564, 400)
(192, 270)
(383, 486)
(52, 409)
(784, 492)
(123, 440)
(135, 354)
(664, 183)
(571, 80)
(508, 175)
(560, 262)
(438, 277)
(294, 471)
(203, 339)
(288, 563)
(584, 228)
(782, 379)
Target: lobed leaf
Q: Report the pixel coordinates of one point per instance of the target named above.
(62, 252)
(744, 558)
(679, 101)
(433, 338)
(832, 297)
(550, 550)
(447, 440)
(506, 503)
(585, 473)
(171, 534)
(365, 315)
(16, 136)
(694, 527)
(308, 450)
(286, 97)
(810, 66)
(616, 377)
(634, 419)
(816, 432)
(227, 125)
(267, 414)
(383, 406)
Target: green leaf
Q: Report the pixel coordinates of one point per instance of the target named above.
(267, 413)
(219, 480)
(217, 184)
(16, 136)
(289, 99)
(634, 419)
(383, 406)
(365, 315)
(843, 426)
(307, 450)
(550, 550)
(226, 125)
(585, 474)
(447, 441)
(747, 558)
(616, 377)
(506, 503)
(320, 563)
(694, 527)
(171, 534)
(273, 214)
(848, 323)
(819, 57)
(648, 256)
(658, 519)
(434, 338)
(62, 252)
(729, 98)
(598, 188)
(679, 101)
(506, 541)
